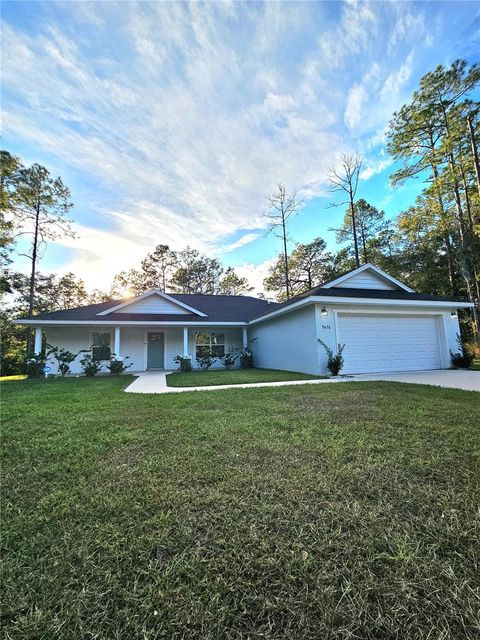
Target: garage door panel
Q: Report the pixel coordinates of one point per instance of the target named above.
(380, 342)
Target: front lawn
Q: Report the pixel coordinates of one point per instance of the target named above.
(308, 512)
(233, 376)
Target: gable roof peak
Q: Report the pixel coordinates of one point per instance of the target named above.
(130, 301)
(368, 266)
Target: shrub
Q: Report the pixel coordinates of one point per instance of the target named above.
(90, 367)
(473, 348)
(34, 365)
(463, 359)
(64, 358)
(335, 360)
(184, 363)
(205, 359)
(229, 358)
(117, 366)
(246, 358)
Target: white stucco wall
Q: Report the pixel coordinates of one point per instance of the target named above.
(290, 341)
(287, 342)
(133, 343)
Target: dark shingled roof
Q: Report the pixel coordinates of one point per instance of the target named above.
(217, 309)
(228, 308)
(380, 294)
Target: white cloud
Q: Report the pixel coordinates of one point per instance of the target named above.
(255, 274)
(375, 167)
(356, 99)
(241, 242)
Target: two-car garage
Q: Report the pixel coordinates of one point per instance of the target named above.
(381, 342)
(385, 326)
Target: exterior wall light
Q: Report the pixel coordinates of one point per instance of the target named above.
(454, 314)
(324, 312)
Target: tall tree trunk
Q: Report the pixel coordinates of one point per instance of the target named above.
(364, 243)
(476, 159)
(448, 244)
(467, 197)
(33, 273)
(450, 267)
(354, 230)
(287, 283)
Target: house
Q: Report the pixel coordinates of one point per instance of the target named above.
(384, 325)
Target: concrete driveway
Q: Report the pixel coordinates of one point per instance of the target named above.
(453, 378)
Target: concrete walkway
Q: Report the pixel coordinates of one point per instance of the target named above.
(156, 381)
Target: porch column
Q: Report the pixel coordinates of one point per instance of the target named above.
(185, 341)
(245, 337)
(116, 343)
(38, 341)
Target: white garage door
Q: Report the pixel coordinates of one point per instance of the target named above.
(375, 343)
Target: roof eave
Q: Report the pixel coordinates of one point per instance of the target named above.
(445, 304)
(129, 323)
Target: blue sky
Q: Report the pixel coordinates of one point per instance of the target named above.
(172, 122)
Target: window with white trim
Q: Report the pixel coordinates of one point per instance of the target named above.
(101, 346)
(213, 342)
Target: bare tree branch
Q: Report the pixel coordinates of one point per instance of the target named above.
(345, 180)
(283, 205)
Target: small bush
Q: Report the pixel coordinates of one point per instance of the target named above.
(246, 358)
(335, 361)
(64, 358)
(34, 365)
(230, 358)
(90, 367)
(205, 359)
(473, 348)
(117, 366)
(184, 363)
(463, 359)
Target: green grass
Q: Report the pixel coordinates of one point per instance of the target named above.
(476, 365)
(342, 511)
(233, 376)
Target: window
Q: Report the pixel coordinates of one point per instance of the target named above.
(214, 342)
(101, 346)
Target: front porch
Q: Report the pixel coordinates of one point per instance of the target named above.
(148, 346)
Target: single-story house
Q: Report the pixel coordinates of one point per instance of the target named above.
(384, 325)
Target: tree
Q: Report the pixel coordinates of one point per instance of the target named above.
(53, 293)
(372, 228)
(197, 273)
(10, 166)
(310, 265)
(42, 204)
(158, 267)
(432, 139)
(345, 180)
(472, 120)
(233, 285)
(155, 272)
(283, 205)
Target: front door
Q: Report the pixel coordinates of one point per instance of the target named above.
(155, 351)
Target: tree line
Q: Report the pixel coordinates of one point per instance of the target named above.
(434, 246)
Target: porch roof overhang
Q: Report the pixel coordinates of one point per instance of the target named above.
(114, 322)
